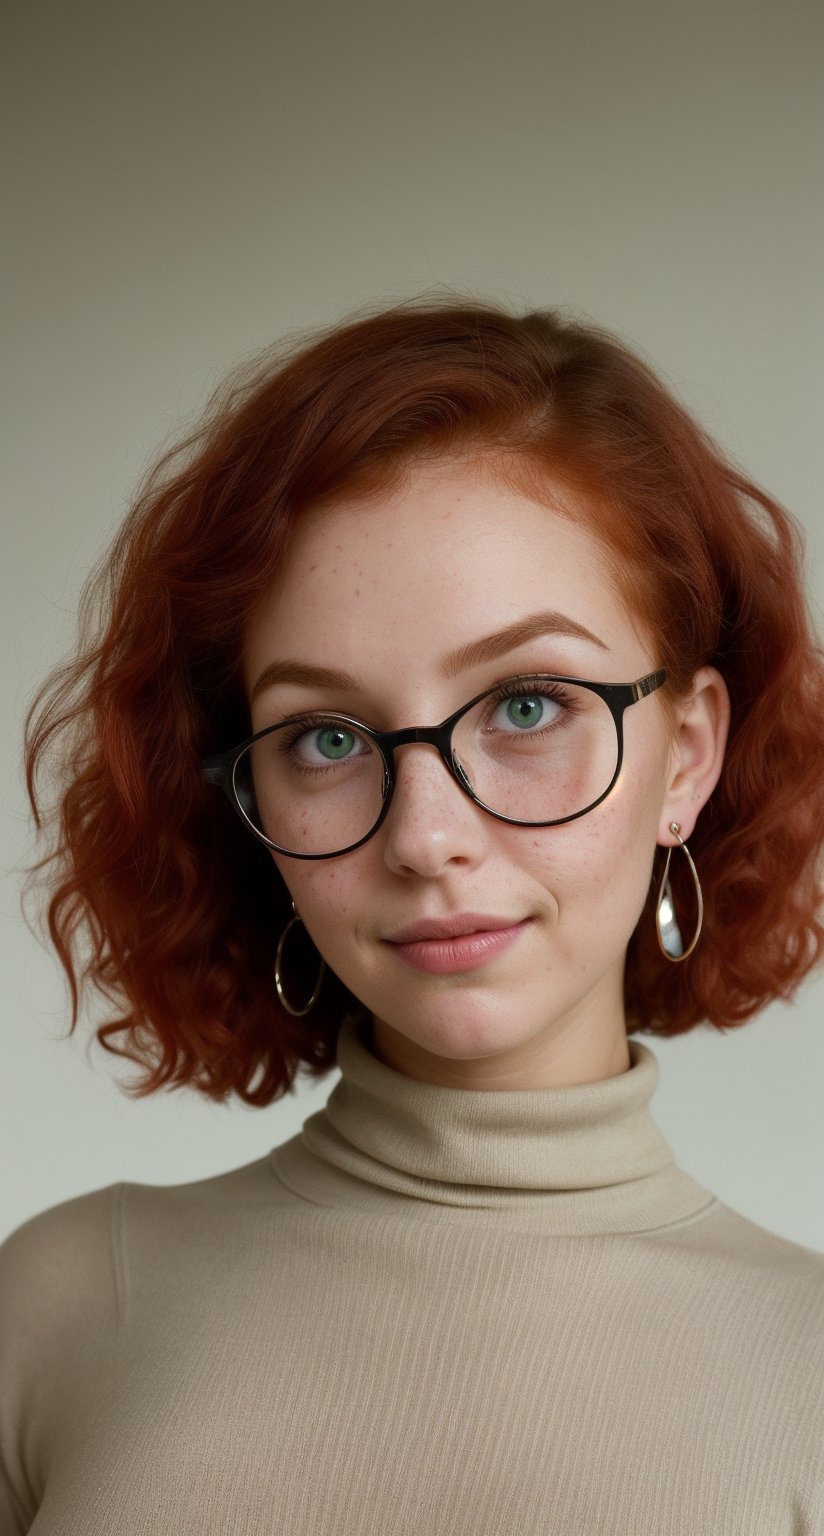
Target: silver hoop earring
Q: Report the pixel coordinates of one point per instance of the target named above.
(670, 942)
(296, 1013)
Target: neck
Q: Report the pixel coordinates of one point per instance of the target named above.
(585, 1049)
(582, 1159)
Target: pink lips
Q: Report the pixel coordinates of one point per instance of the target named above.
(461, 950)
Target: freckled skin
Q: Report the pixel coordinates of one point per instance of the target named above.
(384, 587)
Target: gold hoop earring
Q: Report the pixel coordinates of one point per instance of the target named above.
(670, 942)
(296, 1013)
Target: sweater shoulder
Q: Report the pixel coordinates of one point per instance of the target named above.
(66, 1262)
(58, 1300)
(737, 1256)
(728, 1232)
(59, 1262)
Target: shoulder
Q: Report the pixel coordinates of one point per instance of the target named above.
(76, 1246)
(756, 1278)
(184, 1217)
(67, 1270)
(58, 1307)
(59, 1263)
(727, 1234)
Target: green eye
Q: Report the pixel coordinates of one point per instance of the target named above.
(524, 711)
(322, 746)
(335, 742)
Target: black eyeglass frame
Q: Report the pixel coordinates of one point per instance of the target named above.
(219, 769)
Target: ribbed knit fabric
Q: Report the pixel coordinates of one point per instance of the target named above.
(433, 1312)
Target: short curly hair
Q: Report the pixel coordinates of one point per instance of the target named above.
(181, 904)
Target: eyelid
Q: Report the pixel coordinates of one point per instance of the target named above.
(316, 714)
(312, 718)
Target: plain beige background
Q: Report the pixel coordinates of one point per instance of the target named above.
(188, 182)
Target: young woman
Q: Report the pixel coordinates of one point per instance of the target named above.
(453, 716)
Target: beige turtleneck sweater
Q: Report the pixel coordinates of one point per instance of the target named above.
(433, 1312)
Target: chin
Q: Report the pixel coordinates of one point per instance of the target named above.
(467, 1029)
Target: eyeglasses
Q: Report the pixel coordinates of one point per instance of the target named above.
(536, 750)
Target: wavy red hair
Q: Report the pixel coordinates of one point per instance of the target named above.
(181, 904)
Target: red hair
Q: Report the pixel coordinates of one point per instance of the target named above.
(182, 905)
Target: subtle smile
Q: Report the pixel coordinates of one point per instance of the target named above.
(462, 952)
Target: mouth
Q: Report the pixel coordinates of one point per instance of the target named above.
(461, 951)
(459, 925)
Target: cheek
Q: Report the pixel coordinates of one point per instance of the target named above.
(629, 852)
(597, 871)
(323, 891)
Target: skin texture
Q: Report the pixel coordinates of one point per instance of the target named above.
(384, 587)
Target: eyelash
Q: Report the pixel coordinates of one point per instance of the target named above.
(523, 690)
(302, 727)
(504, 690)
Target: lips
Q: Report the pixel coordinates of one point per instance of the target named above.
(459, 925)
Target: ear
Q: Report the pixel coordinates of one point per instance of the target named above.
(697, 753)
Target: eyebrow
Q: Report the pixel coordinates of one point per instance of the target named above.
(488, 648)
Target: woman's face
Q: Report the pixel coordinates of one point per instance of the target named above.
(384, 589)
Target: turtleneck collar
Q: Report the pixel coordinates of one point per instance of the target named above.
(582, 1159)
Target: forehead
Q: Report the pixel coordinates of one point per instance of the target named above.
(451, 555)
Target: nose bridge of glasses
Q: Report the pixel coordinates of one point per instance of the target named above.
(434, 735)
(437, 736)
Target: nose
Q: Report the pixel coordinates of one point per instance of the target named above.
(431, 821)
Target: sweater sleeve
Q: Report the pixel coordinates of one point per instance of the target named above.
(58, 1299)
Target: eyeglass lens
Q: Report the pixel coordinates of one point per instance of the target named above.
(534, 751)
